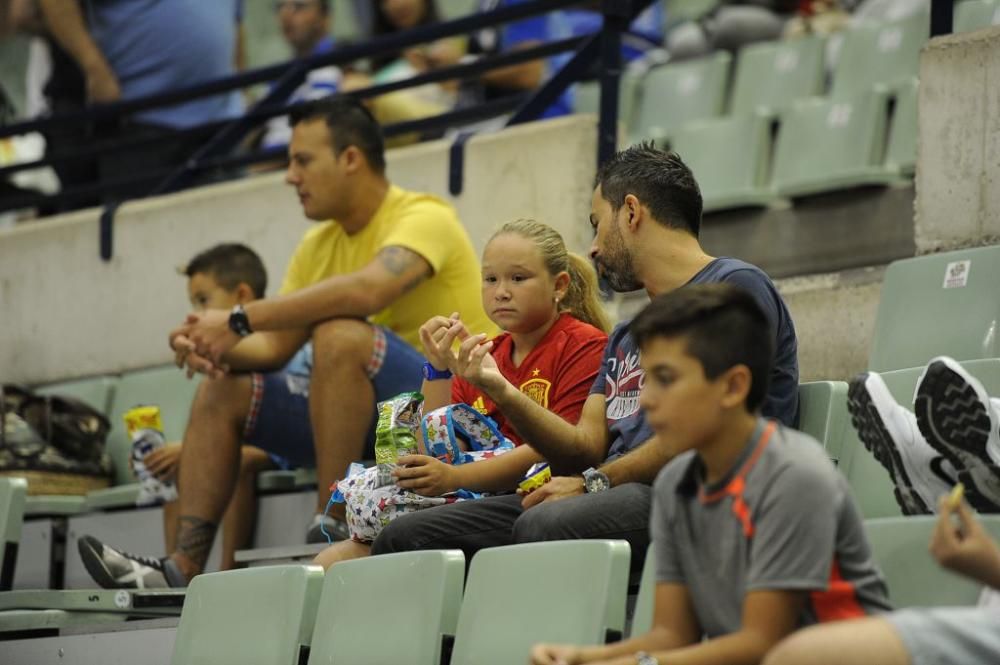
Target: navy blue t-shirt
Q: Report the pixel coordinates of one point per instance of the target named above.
(621, 377)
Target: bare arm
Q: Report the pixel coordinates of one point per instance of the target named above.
(393, 272)
(526, 76)
(266, 350)
(638, 466)
(675, 626)
(65, 22)
(768, 617)
(569, 448)
(436, 394)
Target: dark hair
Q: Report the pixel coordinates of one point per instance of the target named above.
(382, 26)
(659, 179)
(350, 123)
(723, 327)
(230, 265)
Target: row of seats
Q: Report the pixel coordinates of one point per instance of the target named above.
(412, 607)
(780, 138)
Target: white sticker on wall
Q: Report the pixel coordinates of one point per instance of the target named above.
(956, 275)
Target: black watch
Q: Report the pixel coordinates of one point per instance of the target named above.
(595, 481)
(238, 321)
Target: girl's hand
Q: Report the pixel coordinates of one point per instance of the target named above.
(475, 364)
(437, 342)
(425, 475)
(555, 654)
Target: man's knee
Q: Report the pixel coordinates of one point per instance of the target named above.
(793, 650)
(342, 340)
(228, 396)
(546, 521)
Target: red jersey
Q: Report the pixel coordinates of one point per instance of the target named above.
(558, 373)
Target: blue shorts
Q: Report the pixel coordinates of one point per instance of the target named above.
(278, 420)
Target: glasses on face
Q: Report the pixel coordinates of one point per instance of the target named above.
(294, 5)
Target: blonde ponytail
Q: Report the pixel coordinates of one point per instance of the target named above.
(582, 300)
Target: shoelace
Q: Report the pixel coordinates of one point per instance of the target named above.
(152, 562)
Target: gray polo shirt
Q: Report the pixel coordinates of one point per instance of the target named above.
(781, 519)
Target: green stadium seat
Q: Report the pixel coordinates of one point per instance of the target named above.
(883, 54)
(870, 482)
(772, 75)
(97, 392)
(55, 505)
(645, 602)
(823, 413)
(13, 492)
(418, 594)
(731, 157)
(940, 304)
(254, 616)
(587, 97)
(166, 387)
(570, 591)
(901, 154)
(914, 578)
(976, 14)
(825, 145)
(673, 95)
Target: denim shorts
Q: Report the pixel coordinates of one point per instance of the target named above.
(278, 421)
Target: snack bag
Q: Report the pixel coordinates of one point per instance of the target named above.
(145, 429)
(395, 433)
(373, 499)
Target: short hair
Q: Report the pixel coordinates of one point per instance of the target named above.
(659, 179)
(231, 264)
(350, 123)
(723, 326)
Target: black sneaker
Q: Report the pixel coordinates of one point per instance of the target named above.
(958, 418)
(114, 569)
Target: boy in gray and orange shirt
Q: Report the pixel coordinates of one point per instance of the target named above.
(754, 531)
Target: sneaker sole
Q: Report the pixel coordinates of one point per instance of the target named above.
(954, 421)
(877, 440)
(90, 554)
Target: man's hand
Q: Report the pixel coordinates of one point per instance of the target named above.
(185, 356)
(425, 475)
(966, 549)
(432, 335)
(102, 84)
(164, 461)
(560, 487)
(555, 654)
(211, 334)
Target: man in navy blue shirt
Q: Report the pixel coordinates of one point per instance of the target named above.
(646, 213)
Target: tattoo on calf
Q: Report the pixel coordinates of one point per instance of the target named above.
(194, 538)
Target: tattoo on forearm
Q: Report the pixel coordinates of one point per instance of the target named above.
(397, 260)
(194, 538)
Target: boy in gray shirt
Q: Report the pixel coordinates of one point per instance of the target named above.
(755, 533)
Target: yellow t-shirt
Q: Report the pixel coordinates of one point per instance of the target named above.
(419, 222)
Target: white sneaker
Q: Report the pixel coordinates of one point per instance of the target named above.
(890, 433)
(958, 418)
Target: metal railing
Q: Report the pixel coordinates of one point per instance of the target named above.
(600, 49)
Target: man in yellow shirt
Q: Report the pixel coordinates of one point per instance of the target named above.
(358, 288)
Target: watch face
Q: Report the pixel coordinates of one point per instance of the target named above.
(597, 482)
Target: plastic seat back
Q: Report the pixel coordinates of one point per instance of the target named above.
(772, 75)
(12, 496)
(417, 594)
(570, 591)
(254, 616)
(940, 304)
(915, 579)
